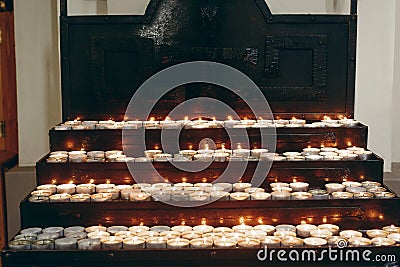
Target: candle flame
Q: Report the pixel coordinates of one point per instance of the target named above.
(54, 181)
(294, 180)
(230, 118)
(156, 147)
(152, 119)
(325, 220)
(108, 181)
(141, 224)
(303, 222)
(327, 118)
(203, 221)
(260, 221)
(167, 119)
(71, 182)
(91, 181)
(241, 220)
(190, 147)
(204, 180)
(184, 179)
(239, 146)
(214, 119)
(186, 118)
(183, 222)
(223, 146)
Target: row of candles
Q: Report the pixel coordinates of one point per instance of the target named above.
(219, 155)
(205, 192)
(199, 237)
(201, 123)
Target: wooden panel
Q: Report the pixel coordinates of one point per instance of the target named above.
(304, 65)
(317, 173)
(350, 214)
(185, 257)
(8, 105)
(288, 139)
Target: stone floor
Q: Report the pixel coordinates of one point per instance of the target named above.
(392, 179)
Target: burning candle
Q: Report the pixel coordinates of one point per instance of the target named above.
(134, 243)
(335, 187)
(181, 228)
(235, 236)
(41, 193)
(115, 229)
(139, 197)
(85, 189)
(225, 243)
(66, 189)
(222, 230)
(392, 229)
(303, 230)
(95, 229)
(384, 195)
(257, 234)
(97, 235)
(203, 229)
(60, 198)
(376, 233)
(321, 233)
(80, 198)
(201, 243)
(178, 243)
(48, 187)
(315, 242)
(359, 242)
(101, 197)
(382, 242)
(395, 237)
(240, 196)
(311, 151)
(111, 243)
(270, 241)
(260, 196)
(269, 229)
(363, 195)
(350, 234)
(342, 195)
(280, 195)
(242, 228)
(292, 242)
(170, 234)
(191, 235)
(249, 243)
(258, 152)
(334, 229)
(301, 196)
(299, 186)
(284, 234)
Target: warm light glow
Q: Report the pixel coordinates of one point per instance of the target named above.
(91, 181)
(275, 220)
(241, 220)
(204, 180)
(294, 180)
(82, 149)
(276, 180)
(186, 118)
(78, 119)
(362, 177)
(156, 147)
(322, 145)
(326, 179)
(294, 118)
(310, 219)
(166, 180)
(381, 217)
(214, 119)
(203, 221)
(344, 180)
(303, 222)
(183, 222)
(326, 118)
(141, 224)
(260, 221)
(342, 117)
(167, 119)
(108, 181)
(324, 220)
(223, 146)
(245, 118)
(239, 146)
(54, 181)
(221, 220)
(190, 147)
(71, 182)
(152, 119)
(230, 118)
(184, 179)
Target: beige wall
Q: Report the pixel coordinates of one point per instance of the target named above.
(38, 84)
(396, 91)
(38, 69)
(375, 73)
